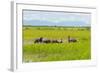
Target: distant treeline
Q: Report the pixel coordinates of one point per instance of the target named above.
(59, 26)
(55, 28)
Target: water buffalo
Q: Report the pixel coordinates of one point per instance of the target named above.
(44, 40)
(57, 41)
(71, 39)
(39, 40)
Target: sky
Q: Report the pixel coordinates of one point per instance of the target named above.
(51, 18)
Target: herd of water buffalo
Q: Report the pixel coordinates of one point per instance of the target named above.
(45, 40)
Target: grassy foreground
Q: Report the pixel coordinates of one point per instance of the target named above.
(41, 52)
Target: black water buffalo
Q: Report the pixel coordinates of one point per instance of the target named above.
(42, 40)
(39, 40)
(71, 39)
(57, 41)
(46, 40)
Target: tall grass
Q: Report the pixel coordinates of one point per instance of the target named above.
(80, 50)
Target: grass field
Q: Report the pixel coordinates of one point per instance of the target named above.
(41, 52)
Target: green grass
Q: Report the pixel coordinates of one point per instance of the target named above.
(80, 50)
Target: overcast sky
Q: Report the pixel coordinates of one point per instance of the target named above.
(39, 18)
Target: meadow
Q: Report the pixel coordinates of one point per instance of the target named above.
(42, 52)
